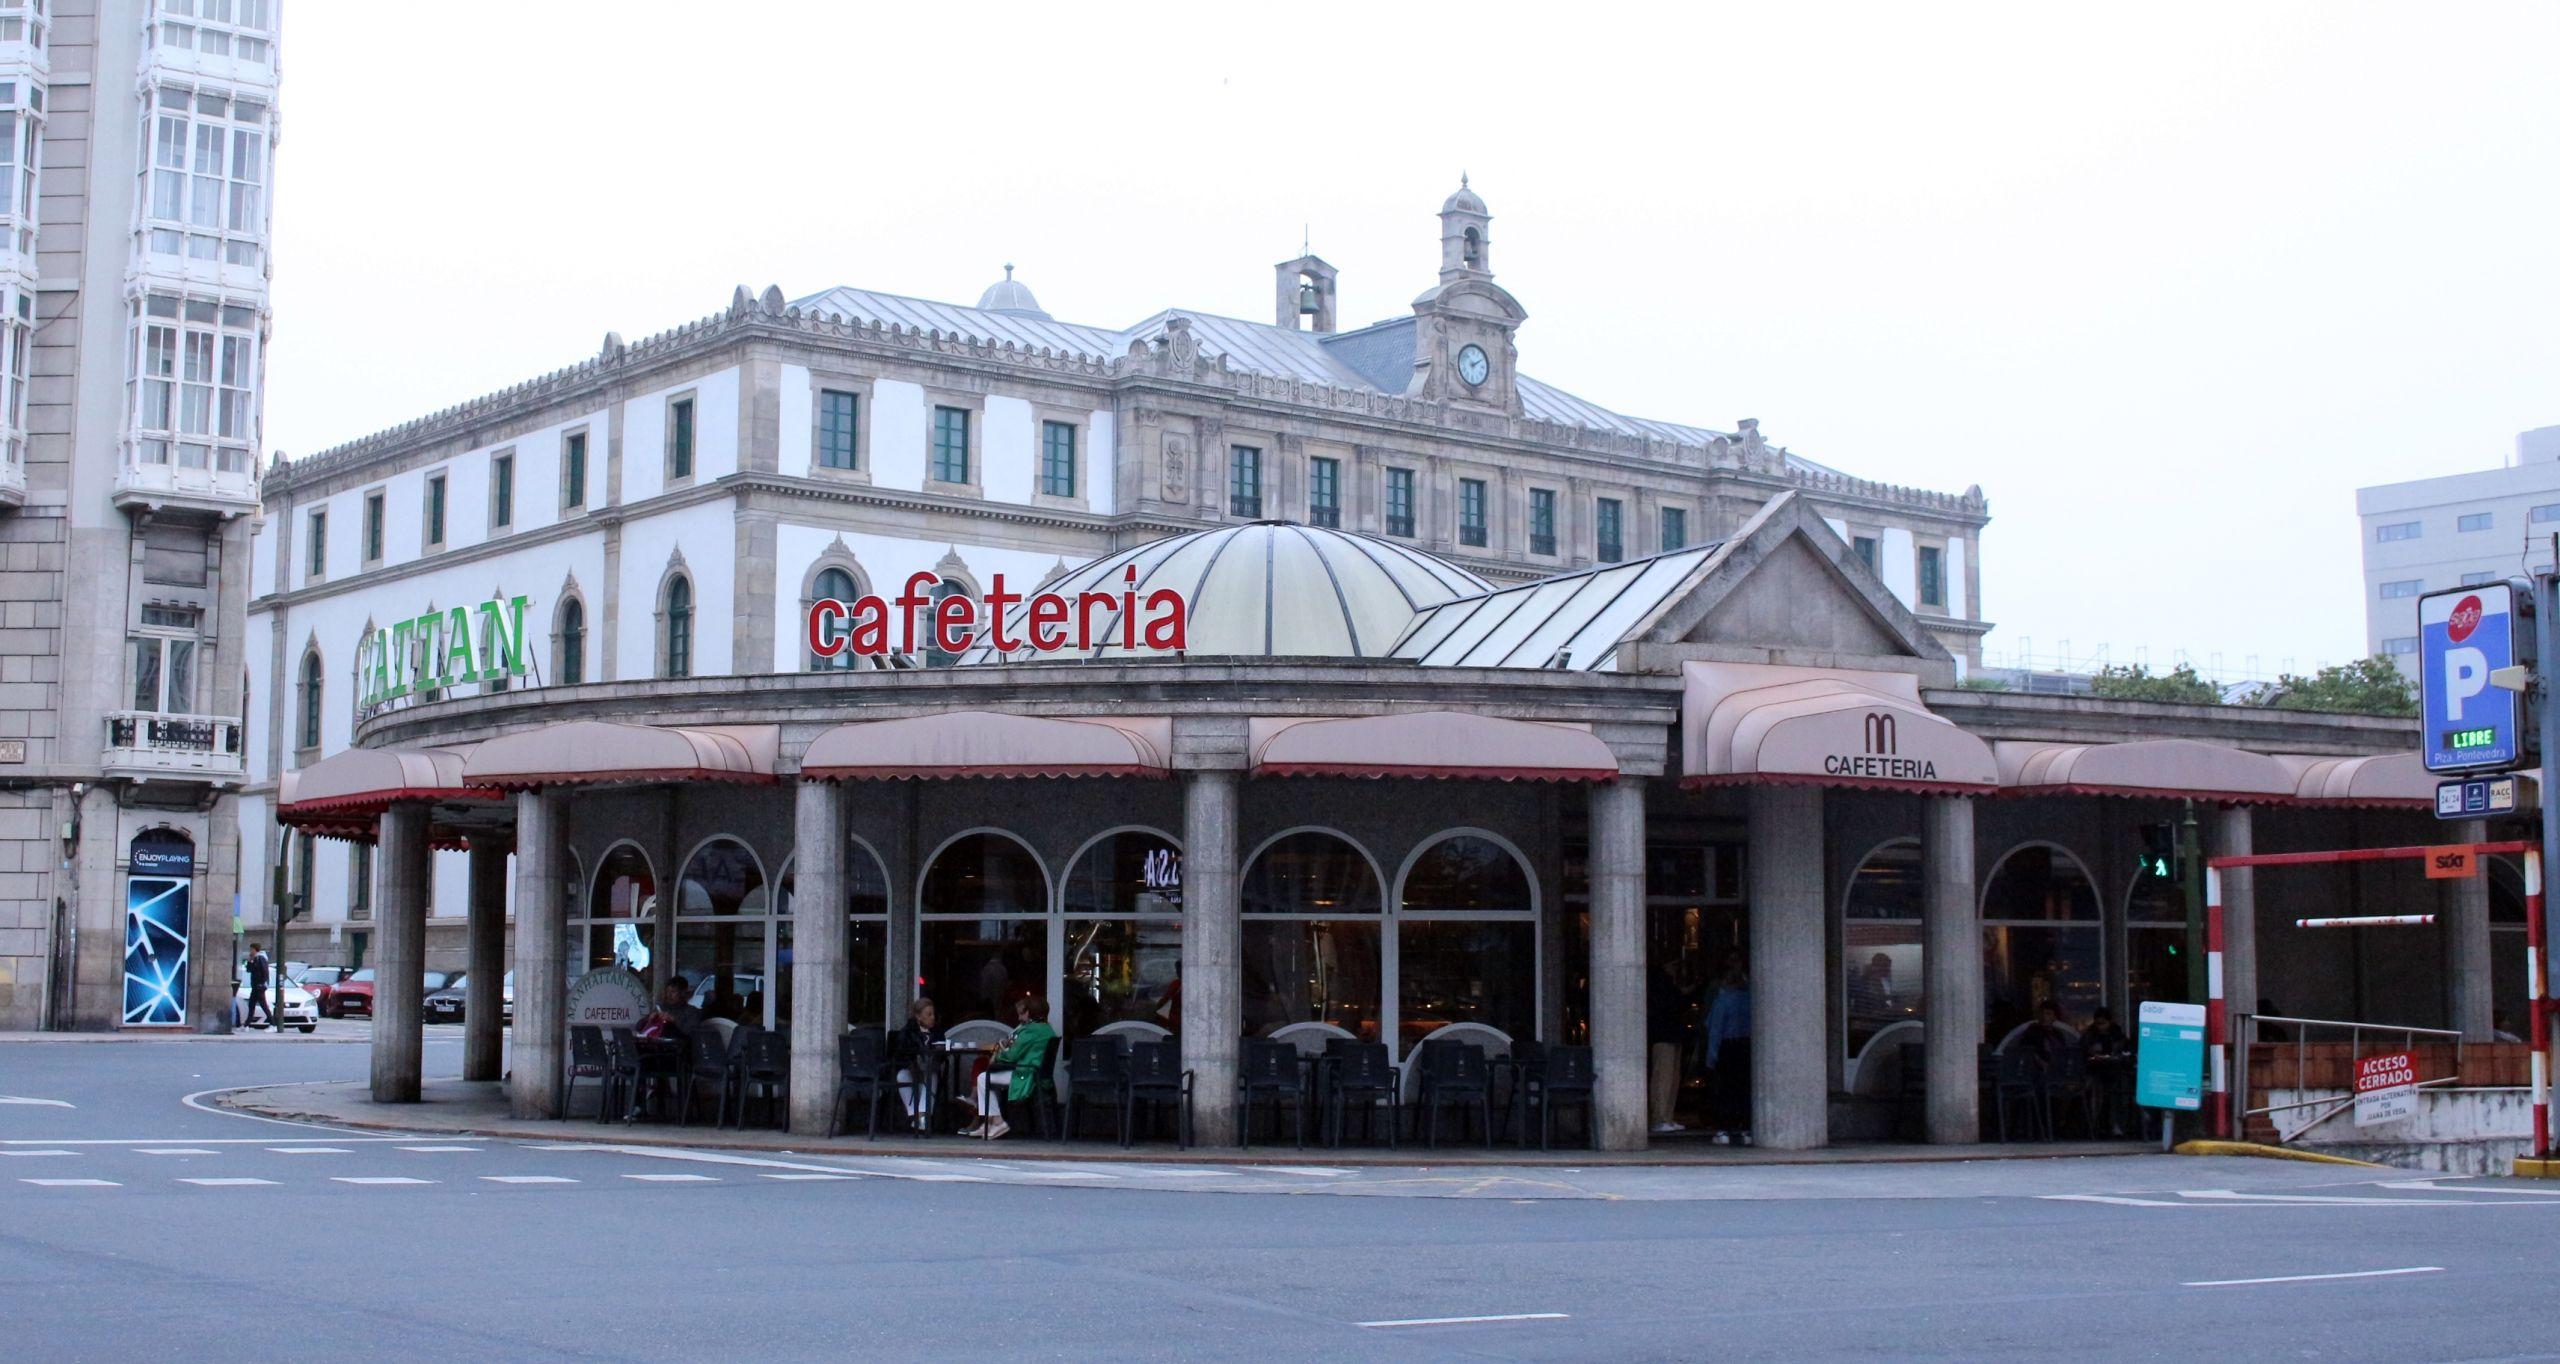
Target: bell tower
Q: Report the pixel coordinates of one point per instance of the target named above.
(1462, 347)
(1466, 236)
(1303, 294)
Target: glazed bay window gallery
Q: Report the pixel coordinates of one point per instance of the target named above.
(207, 156)
(193, 383)
(21, 137)
(237, 29)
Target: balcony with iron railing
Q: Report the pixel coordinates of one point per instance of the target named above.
(145, 745)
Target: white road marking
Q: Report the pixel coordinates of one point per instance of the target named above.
(2319, 1200)
(73, 1183)
(175, 1151)
(38, 1153)
(2119, 1202)
(190, 1101)
(528, 1179)
(1319, 1171)
(2316, 1278)
(436, 1150)
(810, 1177)
(674, 1179)
(2431, 1186)
(757, 1162)
(35, 1103)
(1465, 1321)
(224, 1183)
(308, 1150)
(377, 1179)
(172, 1141)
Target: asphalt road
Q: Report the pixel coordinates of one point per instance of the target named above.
(134, 1225)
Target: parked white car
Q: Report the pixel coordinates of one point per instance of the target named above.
(299, 1011)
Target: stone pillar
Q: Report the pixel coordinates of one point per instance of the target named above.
(542, 946)
(2465, 911)
(484, 980)
(1952, 966)
(819, 956)
(1617, 963)
(1212, 957)
(1790, 989)
(400, 954)
(2235, 835)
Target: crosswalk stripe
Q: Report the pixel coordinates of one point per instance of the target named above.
(308, 1150)
(37, 1153)
(174, 1151)
(528, 1179)
(797, 1178)
(73, 1183)
(674, 1179)
(438, 1150)
(224, 1183)
(377, 1179)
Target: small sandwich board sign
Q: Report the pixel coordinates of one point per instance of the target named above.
(2168, 1058)
(2386, 1088)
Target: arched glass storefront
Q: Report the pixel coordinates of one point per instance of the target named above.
(1123, 922)
(1883, 993)
(1311, 936)
(724, 922)
(2042, 942)
(1466, 940)
(983, 927)
(866, 938)
(619, 927)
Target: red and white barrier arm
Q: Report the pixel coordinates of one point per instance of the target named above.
(2368, 921)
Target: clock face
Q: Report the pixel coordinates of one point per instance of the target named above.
(1472, 366)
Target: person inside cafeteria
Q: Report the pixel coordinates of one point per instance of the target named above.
(1013, 1066)
(2109, 1054)
(1729, 1057)
(909, 1061)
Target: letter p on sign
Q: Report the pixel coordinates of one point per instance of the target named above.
(2446, 864)
(2466, 675)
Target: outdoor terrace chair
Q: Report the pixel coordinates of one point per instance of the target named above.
(1269, 1072)
(588, 1060)
(2015, 1084)
(1097, 1073)
(1044, 1092)
(1359, 1071)
(1455, 1073)
(760, 1066)
(1566, 1077)
(1511, 1075)
(862, 1056)
(626, 1072)
(710, 1062)
(1155, 1075)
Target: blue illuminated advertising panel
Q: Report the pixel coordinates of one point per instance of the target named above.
(2464, 635)
(155, 950)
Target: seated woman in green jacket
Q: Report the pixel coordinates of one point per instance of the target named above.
(1012, 1067)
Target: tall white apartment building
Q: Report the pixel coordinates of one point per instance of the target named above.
(2454, 530)
(136, 147)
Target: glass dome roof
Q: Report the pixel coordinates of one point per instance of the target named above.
(1273, 589)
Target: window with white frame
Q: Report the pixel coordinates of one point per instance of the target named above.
(194, 382)
(21, 138)
(238, 29)
(13, 380)
(164, 659)
(23, 21)
(207, 162)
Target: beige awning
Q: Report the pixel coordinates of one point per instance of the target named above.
(2390, 780)
(592, 751)
(1431, 743)
(1747, 723)
(2146, 767)
(342, 795)
(979, 743)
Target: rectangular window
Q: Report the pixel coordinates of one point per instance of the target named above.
(1542, 521)
(837, 413)
(1400, 502)
(192, 383)
(1865, 547)
(435, 511)
(2476, 579)
(1471, 515)
(1324, 492)
(1244, 481)
(502, 491)
(1933, 576)
(1608, 529)
(373, 528)
(360, 894)
(680, 438)
(2407, 530)
(2404, 587)
(318, 563)
(573, 471)
(2475, 521)
(1058, 459)
(205, 195)
(1675, 528)
(2548, 511)
(164, 675)
(951, 444)
(2400, 644)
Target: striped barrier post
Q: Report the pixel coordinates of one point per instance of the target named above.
(2538, 1010)
(2217, 1018)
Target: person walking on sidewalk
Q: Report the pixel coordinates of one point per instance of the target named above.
(257, 967)
(1729, 1058)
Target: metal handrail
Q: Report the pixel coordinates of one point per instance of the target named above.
(2247, 1031)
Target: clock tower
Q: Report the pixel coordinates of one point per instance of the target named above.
(1462, 349)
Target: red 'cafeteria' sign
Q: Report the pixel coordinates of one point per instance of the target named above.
(2394, 1071)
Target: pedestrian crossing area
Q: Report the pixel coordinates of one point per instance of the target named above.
(2397, 1190)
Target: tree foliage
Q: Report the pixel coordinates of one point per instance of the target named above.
(2136, 682)
(2368, 686)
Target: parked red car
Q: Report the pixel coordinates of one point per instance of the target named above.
(354, 993)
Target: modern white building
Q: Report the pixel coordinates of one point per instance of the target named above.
(136, 141)
(2454, 530)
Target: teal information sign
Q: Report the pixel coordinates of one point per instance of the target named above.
(2169, 1056)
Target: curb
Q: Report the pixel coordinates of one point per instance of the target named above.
(2526, 1167)
(2251, 1148)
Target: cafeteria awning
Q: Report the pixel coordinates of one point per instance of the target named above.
(1433, 743)
(1750, 723)
(979, 743)
(2382, 781)
(588, 752)
(344, 794)
(2173, 768)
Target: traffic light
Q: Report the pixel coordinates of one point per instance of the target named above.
(2159, 855)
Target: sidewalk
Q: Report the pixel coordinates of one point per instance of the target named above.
(479, 1108)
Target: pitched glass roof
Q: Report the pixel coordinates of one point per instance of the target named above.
(1574, 621)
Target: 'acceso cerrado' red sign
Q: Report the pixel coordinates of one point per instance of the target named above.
(1050, 621)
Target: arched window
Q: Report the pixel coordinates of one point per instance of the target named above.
(1311, 936)
(935, 656)
(866, 945)
(983, 938)
(836, 585)
(2155, 933)
(1466, 940)
(307, 732)
(1123, 903)
(2041, 941)
(722, 922)
(675, 652)
(622, 905)
(1475, 248)
(1881, 949)
(569, 644)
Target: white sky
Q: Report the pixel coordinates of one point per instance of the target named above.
(2169, 282)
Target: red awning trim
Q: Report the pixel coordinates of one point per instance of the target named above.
(1431, 745)
(1373, 773)
(525, 781)
(953, 745)
(1908, 788)
(600, 752)
(1023, 770)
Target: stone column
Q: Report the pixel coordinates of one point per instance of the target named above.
(484, 979)
(2465, 910)
(1212, 959)
(2235, 835)
(400, 954)
(819, 932)
(542, 947)
(1617, 962)
(1952, 967)
(1790, 990)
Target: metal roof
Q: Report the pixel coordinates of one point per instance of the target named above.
(1573, 621)
(864, 305)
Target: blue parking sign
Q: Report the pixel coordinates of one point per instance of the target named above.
(2464, 635)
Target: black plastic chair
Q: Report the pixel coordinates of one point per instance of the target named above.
(1270, 1072)
(861, 1056)
(760, 1066)
(1044, 1091)
(710, 1062)
(1512, 1075)
(1455, 1072)
(1153, 1074)
(625, 1073)
(2015, 1082)
(1565, 1077)
(588, 1060)
(1359, 1071)
(1097, 1073)
(2066, 1090)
